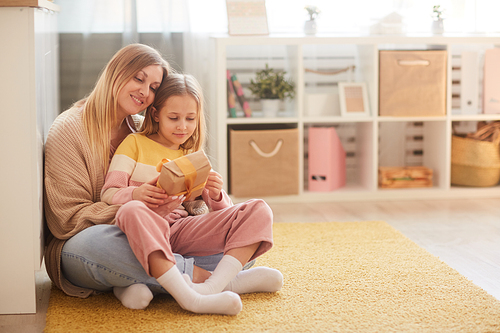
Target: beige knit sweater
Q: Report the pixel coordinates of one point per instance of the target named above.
(73, 182)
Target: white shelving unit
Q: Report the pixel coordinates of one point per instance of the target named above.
(245, 55)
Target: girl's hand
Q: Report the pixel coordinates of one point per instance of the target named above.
(150, 194)
(214, 185)
(171, 204)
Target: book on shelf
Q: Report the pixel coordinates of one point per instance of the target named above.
(241, 97)
(231, 99)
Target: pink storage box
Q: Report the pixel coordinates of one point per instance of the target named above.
(491, 81)
(326, 160)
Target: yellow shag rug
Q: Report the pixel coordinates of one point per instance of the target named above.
(339, 277)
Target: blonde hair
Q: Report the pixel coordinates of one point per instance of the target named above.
(99, 108)
(179, 85)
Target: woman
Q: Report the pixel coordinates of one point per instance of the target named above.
(86, 253)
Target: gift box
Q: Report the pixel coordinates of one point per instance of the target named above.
(404, 177)
(186, 175)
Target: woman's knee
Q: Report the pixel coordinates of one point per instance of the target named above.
(93, 238)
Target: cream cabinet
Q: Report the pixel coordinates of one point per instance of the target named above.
(29, 91)
(370, 140)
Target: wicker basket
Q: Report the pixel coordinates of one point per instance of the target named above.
(474, 162)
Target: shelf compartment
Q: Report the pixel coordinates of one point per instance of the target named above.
(349, 62)
(421, 143)
(467, 71)
(244, 61)
(356, 139)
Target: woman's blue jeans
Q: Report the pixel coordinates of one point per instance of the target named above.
(100, 258)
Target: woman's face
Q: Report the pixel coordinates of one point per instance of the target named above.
(139, 92)
(177, 120)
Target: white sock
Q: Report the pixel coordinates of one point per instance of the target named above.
(227, 303)
(136, 296)
(225, 271)
(256, 280)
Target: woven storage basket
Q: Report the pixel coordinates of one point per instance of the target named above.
(474, 162)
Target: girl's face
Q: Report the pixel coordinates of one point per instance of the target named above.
(177, 121)
(139, 92)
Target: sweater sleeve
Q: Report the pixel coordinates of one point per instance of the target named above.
(73, 180)
(117, 188)
(224, 202)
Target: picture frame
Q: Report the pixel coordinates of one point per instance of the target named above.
(353, 97)
(247, 17)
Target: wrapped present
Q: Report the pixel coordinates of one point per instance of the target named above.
(403, 177)
(186, 175)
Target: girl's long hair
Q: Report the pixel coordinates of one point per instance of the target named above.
(179, 85)
(99, 108)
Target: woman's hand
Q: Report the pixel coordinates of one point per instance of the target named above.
(150, 194)
(214, 185)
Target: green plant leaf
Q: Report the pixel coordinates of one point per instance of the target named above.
(269, 84)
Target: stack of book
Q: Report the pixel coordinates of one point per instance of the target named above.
(235, 92)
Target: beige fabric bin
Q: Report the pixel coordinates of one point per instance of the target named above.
(264, 162)
(412, 83)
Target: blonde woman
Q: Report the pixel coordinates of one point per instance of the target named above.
(86, 253)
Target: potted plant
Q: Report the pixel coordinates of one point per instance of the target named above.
(271, 87)
(310, 26)
(438, 20)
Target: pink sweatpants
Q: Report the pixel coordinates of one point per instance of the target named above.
(218, 231)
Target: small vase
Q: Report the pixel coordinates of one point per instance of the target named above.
(310, 27)
(270, 107)
(437, 27)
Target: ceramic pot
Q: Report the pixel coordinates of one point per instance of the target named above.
(437, 26)
(270, 107)
(310, 27)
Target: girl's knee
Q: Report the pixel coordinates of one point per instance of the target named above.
(128, 210)
(258, 212)
(261, 207)
(131, 206)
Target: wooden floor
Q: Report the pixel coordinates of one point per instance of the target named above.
(463, 233)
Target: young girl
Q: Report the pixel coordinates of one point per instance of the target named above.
(157, 225)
